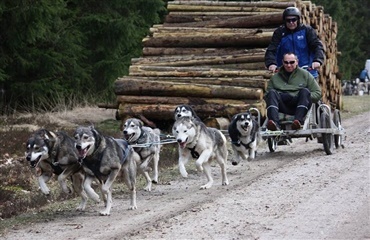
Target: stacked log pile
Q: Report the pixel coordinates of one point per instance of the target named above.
(210, 55)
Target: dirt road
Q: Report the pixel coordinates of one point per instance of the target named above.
(298, 192)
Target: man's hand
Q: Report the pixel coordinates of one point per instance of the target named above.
(272, 68)
(316, 65)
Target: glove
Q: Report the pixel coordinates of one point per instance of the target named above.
(272, 68)
(316, 65)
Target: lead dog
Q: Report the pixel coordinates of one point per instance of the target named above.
(147, 141)
(244, 134)
(196, 140)
(103, 158)
(54, 153)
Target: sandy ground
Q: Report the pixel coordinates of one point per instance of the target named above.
(298, 192)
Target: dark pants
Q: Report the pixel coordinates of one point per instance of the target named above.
(285, 103)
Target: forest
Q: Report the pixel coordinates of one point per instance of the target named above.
(73, 51)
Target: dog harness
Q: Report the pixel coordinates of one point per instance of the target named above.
(194, 153)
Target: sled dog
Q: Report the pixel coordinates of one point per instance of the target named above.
(185, 111)
(244, 134)
(147, 141)
(54, 153)
(102, 158)
(196, 140)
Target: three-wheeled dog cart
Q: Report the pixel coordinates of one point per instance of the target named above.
(320, 122)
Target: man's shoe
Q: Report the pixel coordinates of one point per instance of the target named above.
(296, 125)
(271, 125)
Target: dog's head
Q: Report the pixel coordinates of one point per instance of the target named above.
(132, 129)
(241, 124)
(184, 111)
(86, 139)
(38, 146)
(184, 130)
(244, 122)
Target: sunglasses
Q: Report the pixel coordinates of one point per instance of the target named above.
(291, 20)
(289, 62)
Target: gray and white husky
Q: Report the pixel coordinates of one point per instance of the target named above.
(102, 158)
(196, 140)
(146, 142)
(54, 153)
(244, 134)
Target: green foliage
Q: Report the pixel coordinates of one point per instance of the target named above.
(353, 33)
(59, 47)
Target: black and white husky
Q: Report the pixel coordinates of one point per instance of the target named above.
(54, 153)
(244, 134)
(196, 140)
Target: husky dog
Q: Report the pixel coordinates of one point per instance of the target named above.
(148, 148)
(196, 140)
(54, 153)
(244, 134)
(102, 158)
(185, 111)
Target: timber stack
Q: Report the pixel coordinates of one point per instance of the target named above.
(210, 55)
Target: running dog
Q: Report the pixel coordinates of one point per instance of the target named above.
(102, 159)
(147, 146)
(185, 111)
(54, 153)
(196, 140)
(244, 134)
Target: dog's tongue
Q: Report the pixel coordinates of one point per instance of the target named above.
(182, 144)
(82, 152)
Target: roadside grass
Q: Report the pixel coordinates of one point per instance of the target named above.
(354, 105)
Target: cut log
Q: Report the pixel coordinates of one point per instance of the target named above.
(230, 40)
(273, 4)
(165, 112)
(184, 100)
(205, 8)
(159, 71)
(239, 82)
(161, 88)
(160, 51)
(196, 60)
(185, 17)
(266, 20)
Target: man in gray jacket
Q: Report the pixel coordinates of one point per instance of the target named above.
(291, 91)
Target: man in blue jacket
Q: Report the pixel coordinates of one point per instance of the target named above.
(291, 91)
(295, 37)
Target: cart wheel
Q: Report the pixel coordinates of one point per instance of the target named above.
(327, 138)
(338, 140)
(272, 144)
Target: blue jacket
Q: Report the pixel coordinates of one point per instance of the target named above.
(302, 41)
(363, 75)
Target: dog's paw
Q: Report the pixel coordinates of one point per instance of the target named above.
(132, 207)
(184, 175)
(206, 186)
(104, 213)
(81, 207)
(225, 183)
(45, 191)
(154, 181)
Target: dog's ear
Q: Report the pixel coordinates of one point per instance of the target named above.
(141, 123)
